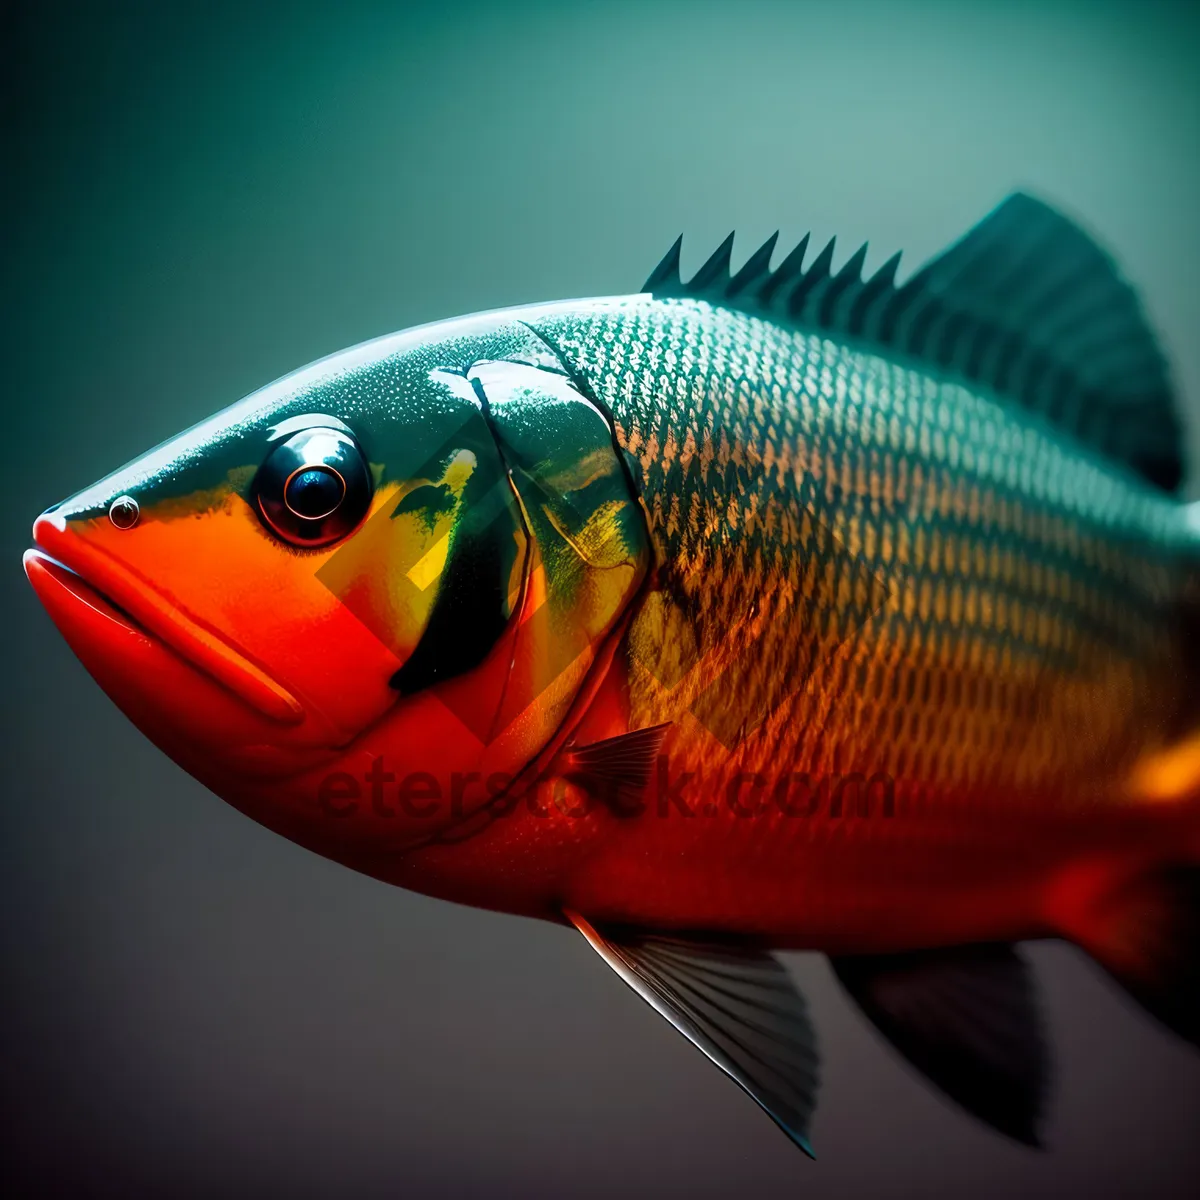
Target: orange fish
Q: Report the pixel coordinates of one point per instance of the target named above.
(781, 609)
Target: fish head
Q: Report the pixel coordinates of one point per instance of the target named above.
(359, 603)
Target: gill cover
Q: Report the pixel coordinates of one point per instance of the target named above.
(565, 500)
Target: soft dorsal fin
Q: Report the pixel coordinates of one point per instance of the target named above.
(1025, 304)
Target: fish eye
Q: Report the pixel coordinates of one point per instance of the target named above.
(314, 487)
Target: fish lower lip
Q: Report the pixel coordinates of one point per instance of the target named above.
(105, 586)
(83, 591)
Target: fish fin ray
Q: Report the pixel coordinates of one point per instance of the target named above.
(755, 268)
(666, 275)
(967, 1018)
(618, 768)
(754, 1025)
(1025, 304)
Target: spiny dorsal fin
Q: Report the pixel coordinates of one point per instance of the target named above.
(1025, 304)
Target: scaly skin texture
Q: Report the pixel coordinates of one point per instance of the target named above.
(860, 569)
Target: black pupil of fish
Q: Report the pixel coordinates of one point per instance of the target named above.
(314, 492)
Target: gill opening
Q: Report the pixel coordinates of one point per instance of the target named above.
(526, 568)
(581, 385)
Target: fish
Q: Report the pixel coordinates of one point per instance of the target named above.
(785, 608)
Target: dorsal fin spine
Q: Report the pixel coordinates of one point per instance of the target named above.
(863, 311)
(715, 272)
(843, 284)
(787, 270)
(809, 281)
(666, 274)
(756, 267)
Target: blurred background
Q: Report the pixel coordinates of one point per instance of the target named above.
(199, 198)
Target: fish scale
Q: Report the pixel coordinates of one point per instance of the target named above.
(1038, 598)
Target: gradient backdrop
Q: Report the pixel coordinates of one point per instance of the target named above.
(199, 199)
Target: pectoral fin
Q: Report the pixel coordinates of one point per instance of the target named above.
(968, 1020)
(619, 769)
(736, 1004)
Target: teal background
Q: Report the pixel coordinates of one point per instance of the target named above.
(198, 198)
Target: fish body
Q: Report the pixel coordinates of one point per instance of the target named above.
(873, 573)
(780, 609)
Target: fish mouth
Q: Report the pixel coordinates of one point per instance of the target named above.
(74, 579)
